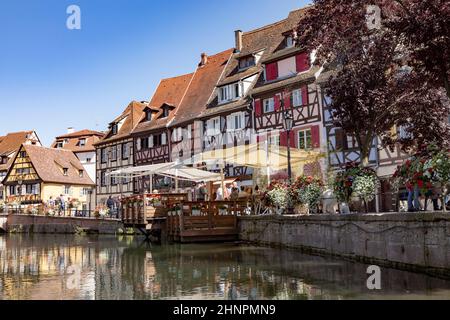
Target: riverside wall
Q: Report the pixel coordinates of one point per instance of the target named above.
(410, 241)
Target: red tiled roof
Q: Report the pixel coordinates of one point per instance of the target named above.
(202, 88)
(73, 139)
(131, 116)
(11, 143)
(49, 164)
(170, 92)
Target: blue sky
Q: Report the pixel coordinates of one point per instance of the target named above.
(52, 78)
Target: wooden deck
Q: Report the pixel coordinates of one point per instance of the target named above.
(182, 221)
(205, 222)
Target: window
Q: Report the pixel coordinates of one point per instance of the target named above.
(59, 145)
(114, 153)
(23, 171)
(246, 62)
(144, 143)
(103, 155)
(269, 105)
(148, 115)
(81, 173)
(82, 142)
(289, 41)
(29, 189)
(113, 181)
(103, 178)
(236, 121)
(88, 160)
(12, 190)
(297, 98)
(274, 140)
(67, 190)
(230, 92)
(66, 171)
(125, 180)
(165, 113)
(305, 140)
(213, 126)
(23, 154)
(114, 129)
(125, 151)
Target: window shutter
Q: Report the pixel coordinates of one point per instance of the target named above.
(164, 139)
(315, 137)
(305, 98)
(277, 102)
(230, 123)
(288, 101)
(302, 62)
(292, 139)
(271, 71)
(283, 139)
(258, 108)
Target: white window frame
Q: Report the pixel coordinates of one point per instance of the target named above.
(274, 140)
(305, 139)
(297, 98)
(230, 92)
(269, 105)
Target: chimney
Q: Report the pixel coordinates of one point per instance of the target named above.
(238, 37)
(204, 59)
(70, 130)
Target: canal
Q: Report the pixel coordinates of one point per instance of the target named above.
(75, 267)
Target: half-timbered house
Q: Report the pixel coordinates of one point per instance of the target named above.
(187, 129)
(152, 139)
(9, 145)
(116, 151)
(228, 119)
(287, 85)
(38, 174)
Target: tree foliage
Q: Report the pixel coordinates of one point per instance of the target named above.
(392, 76)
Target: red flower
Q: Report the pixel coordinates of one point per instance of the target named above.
(420, 184)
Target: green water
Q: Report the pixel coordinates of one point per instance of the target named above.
(73, 267)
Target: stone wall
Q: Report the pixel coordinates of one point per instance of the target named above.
(62, 225)
(416, 242)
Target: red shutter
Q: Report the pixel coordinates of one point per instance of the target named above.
(302, 62)
(292, 139)
(305, 96)
(287, 100)
(283, 139)
(277, 102)
(258, 109)
(271, 71)
(315, 136)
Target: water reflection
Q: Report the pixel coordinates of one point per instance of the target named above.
(70, 267)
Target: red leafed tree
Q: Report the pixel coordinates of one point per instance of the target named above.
(385, 71)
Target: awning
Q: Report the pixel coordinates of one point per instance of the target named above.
(171, 170)
(258, 155)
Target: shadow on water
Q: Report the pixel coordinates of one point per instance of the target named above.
(102, 267)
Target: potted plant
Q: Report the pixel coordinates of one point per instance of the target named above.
(223, 210)
(308, 191)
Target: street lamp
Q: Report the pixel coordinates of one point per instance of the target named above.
(288, 125)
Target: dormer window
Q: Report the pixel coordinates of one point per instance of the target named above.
(166, 108)
(114, 129)
(230, 92)
(82, 142)
(289, 41)
(59, 145)
(148, 115)
(81, 173)
(165, 113)
(246, 62)
(65, 171)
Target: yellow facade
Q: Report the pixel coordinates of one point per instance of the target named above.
(74, 192)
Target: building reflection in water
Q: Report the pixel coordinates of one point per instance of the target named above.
(41, 267)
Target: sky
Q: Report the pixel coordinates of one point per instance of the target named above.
(52, 78)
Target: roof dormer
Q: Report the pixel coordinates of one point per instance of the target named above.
(166, 109)
(149, 112)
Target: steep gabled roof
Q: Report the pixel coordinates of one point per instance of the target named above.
(72, 140)
(130, 117)
(11, 143)
(169, 92)
(202, 88)
(49, 164)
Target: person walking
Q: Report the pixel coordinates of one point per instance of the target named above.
(62, 205)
